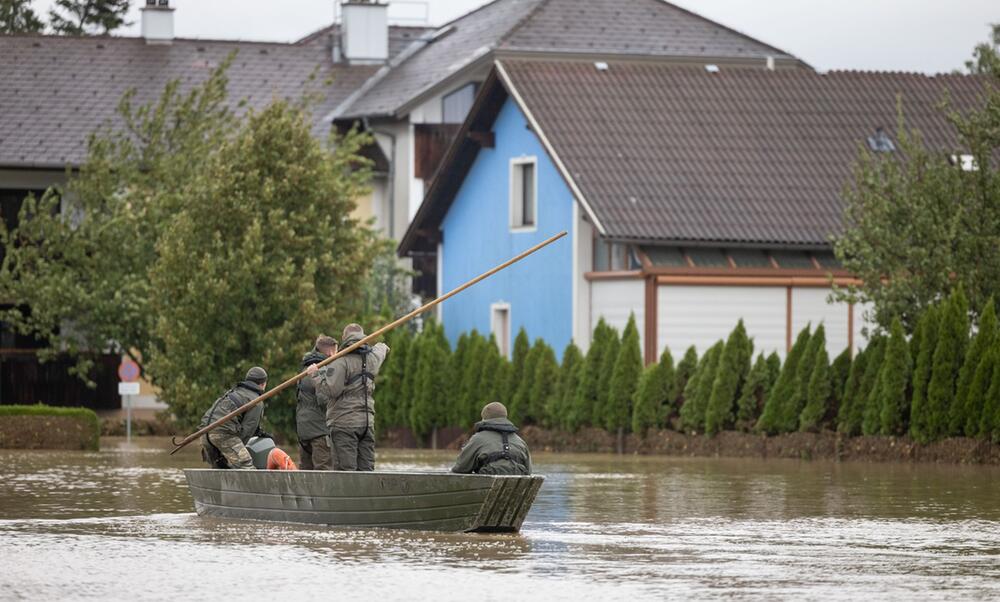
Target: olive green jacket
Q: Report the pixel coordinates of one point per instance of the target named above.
(347, 397)
(246, 424)
(482, 454)
(310, 415)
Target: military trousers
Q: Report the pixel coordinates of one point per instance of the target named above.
(353, 449)
(315, 454)
(232, 450)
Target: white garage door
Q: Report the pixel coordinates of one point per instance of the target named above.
(701, 315)
(809, 306)
(615, 300)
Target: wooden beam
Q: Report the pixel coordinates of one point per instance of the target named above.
(650, 327)
(483, 139)
(804, 281)
(788, 320)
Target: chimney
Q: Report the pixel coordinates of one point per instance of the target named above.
(158, 22)
(365, 31)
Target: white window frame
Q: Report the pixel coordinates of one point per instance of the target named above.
(501, 337)
(511, 197)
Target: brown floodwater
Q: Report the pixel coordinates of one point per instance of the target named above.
(119, 524)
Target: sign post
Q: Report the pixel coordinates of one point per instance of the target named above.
(128, 374)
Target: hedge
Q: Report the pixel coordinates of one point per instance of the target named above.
(88, 417)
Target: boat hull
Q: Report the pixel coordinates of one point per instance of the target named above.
(425, 501)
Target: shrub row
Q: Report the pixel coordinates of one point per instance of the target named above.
(943, 381)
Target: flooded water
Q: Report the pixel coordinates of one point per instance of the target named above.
(119, 524)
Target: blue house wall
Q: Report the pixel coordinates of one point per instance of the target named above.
(476, 236)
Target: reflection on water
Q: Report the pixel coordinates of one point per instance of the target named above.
(119, 523)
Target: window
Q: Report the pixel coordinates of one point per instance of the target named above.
(966, 162)
(455, 106)
(615, 256)
(880, 142)
(523, 186)
(500, 326)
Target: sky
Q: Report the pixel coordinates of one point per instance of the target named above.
(929, 36)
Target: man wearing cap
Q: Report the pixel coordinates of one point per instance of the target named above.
(225, 445)
(345, 386)
(495, 447)
(310, 415)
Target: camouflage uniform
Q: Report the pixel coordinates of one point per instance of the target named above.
(345, 387)
(225, 446)
(310, 421)
(495, 448)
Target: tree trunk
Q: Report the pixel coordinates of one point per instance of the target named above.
(621, 440)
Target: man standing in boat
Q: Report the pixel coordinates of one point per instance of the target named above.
(345, 387)
(225, 446)
(495, 448)
(310, 414)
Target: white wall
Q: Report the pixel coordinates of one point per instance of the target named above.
(614, 300)
(809, 306)
(583, 259)
(701, 315)
(860, 340)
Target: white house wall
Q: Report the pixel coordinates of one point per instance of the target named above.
(702, 315)
(860, 324)
(583, 254)
(810, 306)
(614, 300)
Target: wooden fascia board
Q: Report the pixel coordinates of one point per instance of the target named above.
(547, 145)
(789, 281)
(747, 272)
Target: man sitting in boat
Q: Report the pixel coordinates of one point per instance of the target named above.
(225, 446)
(345, 387)
(310, 414)
(495, 448)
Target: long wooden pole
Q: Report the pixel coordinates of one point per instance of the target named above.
(291, 381)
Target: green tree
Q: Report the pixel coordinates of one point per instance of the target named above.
(389, 393)
(491, 379)
(470, 400)
(791, 411)
(771, 419)
(685, 370)
(953, 334)
(839, 371)
(894, 381)
(986, 55)
(646, 404)
(544, 386)
(754, 394)
(518, 387)
(774, 367)
(869, 405)
(666, 378)
(457, 362)
(433, 390)
(916, 227)
(925, 336)
(699, 389)
(734, 364)
(560, 412)
(520, 408)
(966, 411)
(624, 381)
(589, 382)
(819, 389)
(88, 17)
(850, 414)
(16, 16)
(608, 359)
(987, 380)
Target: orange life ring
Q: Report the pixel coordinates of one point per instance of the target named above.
(279, 460)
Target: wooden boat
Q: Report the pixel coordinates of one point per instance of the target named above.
(432, 501)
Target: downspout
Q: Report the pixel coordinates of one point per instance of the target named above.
(391, 175)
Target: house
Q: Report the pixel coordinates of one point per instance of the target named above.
(693, 196)
(410, 86)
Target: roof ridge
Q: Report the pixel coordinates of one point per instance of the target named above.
(520, 23)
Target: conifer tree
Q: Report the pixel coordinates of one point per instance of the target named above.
(433, 392)
(989, 422)
(819, 390)
(569, 382)
(869, 405)
(980, 386)
(734, 364)
(520, 409)
(490, 383)
(474, 383)
(894, 380)
(793, 406)
(608, 360)
(624, 381)
(784, 387)
(544, 387)
(966, 412)
(665, 378)
(953, 335)
(589, 378)
(927, 335)
(390, 381)
(408, 387)
(457, 363)
(685, 370)
(646, 406)
(699, 389)
(755, 391)
(522, 346)
(773, 368)
(850, 412)
(839, 370)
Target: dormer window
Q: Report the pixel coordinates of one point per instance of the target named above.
(966, 162)
(880, 142)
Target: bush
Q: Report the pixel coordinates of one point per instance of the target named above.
(754, 394)
(589, 383)
(685, 370)
(84, 415)
(815, 410)
(569, 381)
(870, 404)
(784, 388)
(839, 371)
(926, 335)
(989, 424)
(851, 411)
(894, 379)
(734, 364)
(433, 393)
(624, 380)
(520, 378)
(792, 407)
(699, 389)
(949, 353)
(646, 404)
(608, 359)
(667, 380)
(544, 385)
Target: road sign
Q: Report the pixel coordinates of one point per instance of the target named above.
(128, 388)
(128, 371)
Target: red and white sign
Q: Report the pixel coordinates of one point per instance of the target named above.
(128, 371)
